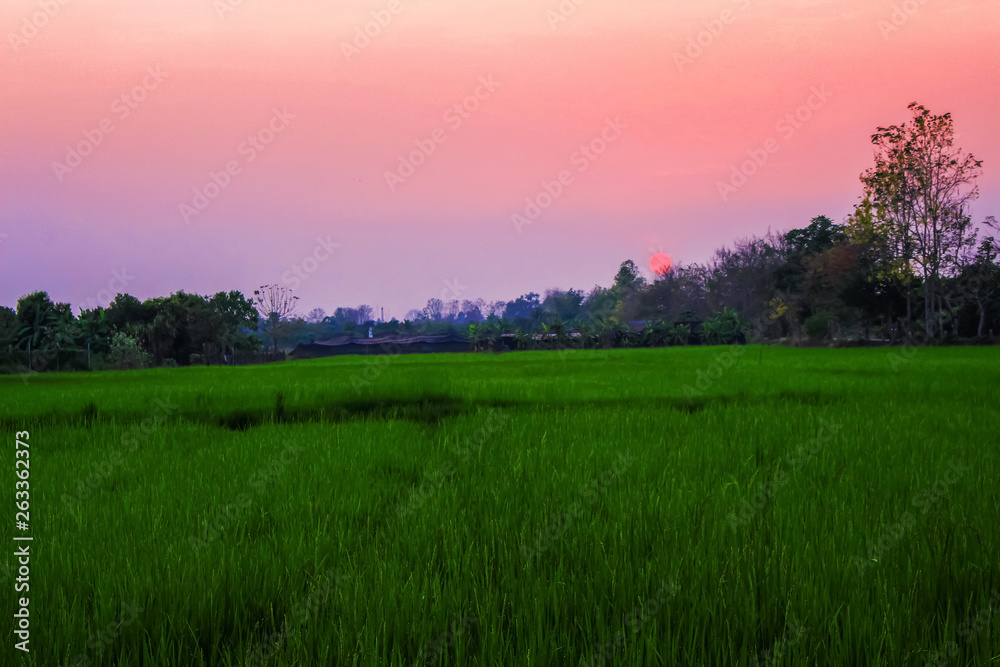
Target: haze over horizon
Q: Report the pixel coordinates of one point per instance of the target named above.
(167, 96)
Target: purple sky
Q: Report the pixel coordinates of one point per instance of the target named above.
(312, 123)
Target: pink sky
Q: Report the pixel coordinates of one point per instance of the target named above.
(655, 188)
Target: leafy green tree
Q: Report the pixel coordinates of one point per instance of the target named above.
(62, 334)
(237, 312)
(742, 278)
(9, 328)
(523, 309)
(93, 332)
(801, 245)
(125, 312)
(35, 315)
(564, 306)
(915, 206)
(600, 304)
(819, 235)
(980, 280)
(39, 320)
(628, 279)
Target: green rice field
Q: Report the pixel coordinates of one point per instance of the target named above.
(682, 506)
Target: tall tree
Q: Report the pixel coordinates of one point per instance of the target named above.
(126, 314)
(564, 306)
(36, 317)
(473, 310)
(236, 316)
(915, 205)
(434, 310)
(980, 280)
(275, 304)
(522, 308)
(8, 329)
(93, 331)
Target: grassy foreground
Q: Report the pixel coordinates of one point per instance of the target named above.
(681, 506)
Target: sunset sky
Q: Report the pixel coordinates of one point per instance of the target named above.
(116, 115)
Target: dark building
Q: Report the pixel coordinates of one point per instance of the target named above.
(448, 342)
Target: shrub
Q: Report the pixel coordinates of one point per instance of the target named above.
(127, 354)
(679, 334)
(817, 326)
(723, 328)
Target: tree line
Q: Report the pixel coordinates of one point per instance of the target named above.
(909, 264)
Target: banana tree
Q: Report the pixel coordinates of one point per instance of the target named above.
(587, 335)
(34, 335)
(612, 333)
(678, 334)
(92, 329)
(523, 339)
(656, 333)
(722, 328)
(556, 334)
(629, 337)
(476, 334)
